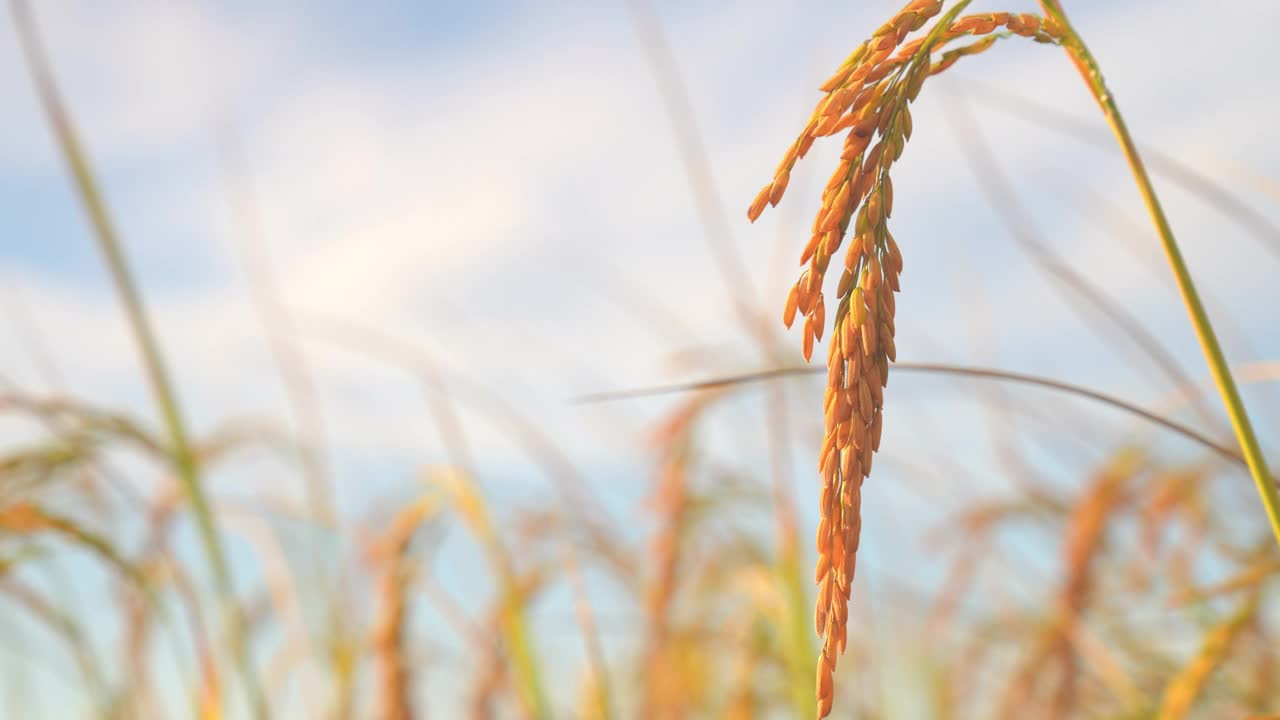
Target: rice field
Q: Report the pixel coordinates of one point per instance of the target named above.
(421, 362)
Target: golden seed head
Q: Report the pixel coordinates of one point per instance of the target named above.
(789, 310)
(757, 205)
(779, 187)
(868, 99)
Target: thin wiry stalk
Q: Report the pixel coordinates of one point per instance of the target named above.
(391, 631)
(734, 275)
(1249, 373)
(414, 358)
(575, 493)
(713, 218)
(475, 634)
(449, 424)
(672, 502)
(1261, 183)
(282, 588)
(694, 156)
(65, 627)
(1005, 439)
(156, 553)
(958, 478)
(1004, 201)
(513, 601)
(601, 697)
(646, 309)
(1183, 690)
(952, 476)
(577, 502)
(294, 371)
(1265, 232)
(184, 458)
(1092, 75)
(1250, 577)
(1082, 544)
(63, 424)
(938, 368)
(1107, 666)
(25, 517)
(1131, 235)
(30, 337)
(299, 384)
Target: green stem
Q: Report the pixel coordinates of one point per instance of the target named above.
(1089, 70)
(183, 455)
(800, 653)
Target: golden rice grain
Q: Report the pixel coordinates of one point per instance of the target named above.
(866, 98)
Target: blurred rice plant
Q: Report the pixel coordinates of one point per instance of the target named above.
(1140, 588)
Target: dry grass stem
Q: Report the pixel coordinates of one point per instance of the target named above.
(1190, 682)
(395, 676)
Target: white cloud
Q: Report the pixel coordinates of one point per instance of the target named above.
(462, 199)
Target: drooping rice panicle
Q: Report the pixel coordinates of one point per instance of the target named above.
(867, 99)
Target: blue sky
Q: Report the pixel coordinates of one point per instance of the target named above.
(500, 183)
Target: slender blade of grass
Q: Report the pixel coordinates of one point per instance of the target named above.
(184, 458)
(1217, 361)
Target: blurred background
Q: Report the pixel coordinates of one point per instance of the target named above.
(386, 250)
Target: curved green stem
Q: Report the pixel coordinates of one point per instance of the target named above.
(182, 453)
(1088, 68)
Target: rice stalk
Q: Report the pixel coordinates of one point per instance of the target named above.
(584, 614)
(1109, 669)
(210, 698)
(1131, 236)
(65, 627)
(488, 680)
(135, 696)
(578, 503)
(868, 96)
(27, 518)
(1169, 497)
(1194, 436)
(589, 704)
(1221, 371)
(1055, 651)
(1249, 578)
(1260, 692)
(395, 674)
(675, 551)
(671, 504)
(1265, 232)
(1260, 182)
(342, 646)
(798, 648)
(1004, 202)
(1189, 684)
(79, 420)
(500, 663)
(746, 699)
(697, 166)
(1086, 533)
(733, 273)
(514, 627)
(310, 440)
(184, 460)
(298, 381)
(18, 314)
